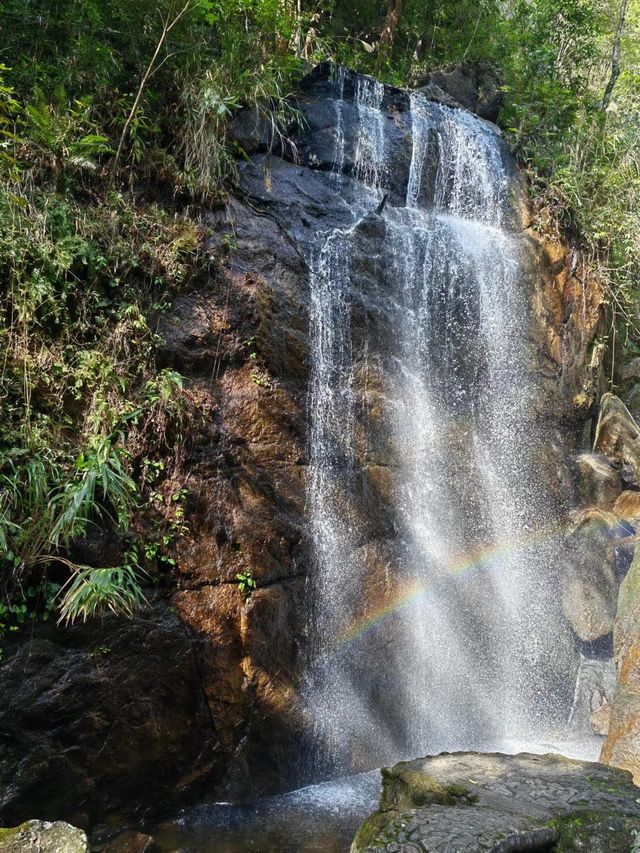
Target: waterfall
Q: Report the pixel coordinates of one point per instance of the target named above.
(441, 629)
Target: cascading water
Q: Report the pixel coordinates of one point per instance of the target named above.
(446, 635)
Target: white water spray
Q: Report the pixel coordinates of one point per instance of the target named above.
(474, 657)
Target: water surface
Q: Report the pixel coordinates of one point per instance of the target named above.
(321, 817)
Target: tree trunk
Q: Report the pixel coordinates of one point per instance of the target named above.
(388, 33)
(615, 57)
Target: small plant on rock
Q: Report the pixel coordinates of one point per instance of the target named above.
(246, 583)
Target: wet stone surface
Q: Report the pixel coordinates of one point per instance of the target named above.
(491, 802)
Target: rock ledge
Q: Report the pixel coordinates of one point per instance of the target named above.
(467, 801)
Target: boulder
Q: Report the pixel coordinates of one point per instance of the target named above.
(598, 481)
(631, 399)
(601, 719)
(622, 747)
(480, 801)
(630, 371)
(593, 691)
(627, 507)
(251, 129)
(40, 836)
(618, 438)
(475, 86)
(588, 583)
(91, 716)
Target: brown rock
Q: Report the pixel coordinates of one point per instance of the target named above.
(618, 437)
(598, 481)
(627, 506)
(622, 747)
(567, 311)
(213, 613)
(601, 719)
(383, 480)
(130, 842)
(589, 587)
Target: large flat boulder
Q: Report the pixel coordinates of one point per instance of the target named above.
(492, 802)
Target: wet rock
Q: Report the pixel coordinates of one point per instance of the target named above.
(567, 313)
(130, 842)
(601, 719)
(627, 507)
(433, 92)
(476, 87)
(92, 715)
(622, 747)
(618, 438)
(39, 836)
(196, 334)
(251, 129)
(244, 342)
(475, 802)
(588, 583)
(593, 691)
(598, 481)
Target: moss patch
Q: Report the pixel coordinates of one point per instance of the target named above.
(410, 789)
(591, 830)
(6, 834)
(373, 826)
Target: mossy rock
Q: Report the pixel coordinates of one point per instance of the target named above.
(403, 788)
(6, 834)
(594, 832)
(489, 802)
(630, 588)
(40, 836)
(374, 828)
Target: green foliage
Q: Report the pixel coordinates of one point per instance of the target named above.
(94, 244)
(82, 401)
(246, 583)
(45, 506)
(33, 603)
(90, 591)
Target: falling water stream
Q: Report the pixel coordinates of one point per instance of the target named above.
(469, 652)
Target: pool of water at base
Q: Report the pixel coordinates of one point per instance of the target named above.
(320, 818)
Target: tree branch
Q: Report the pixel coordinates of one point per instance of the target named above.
(167, 25)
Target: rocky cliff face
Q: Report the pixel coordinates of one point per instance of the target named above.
(218, 691)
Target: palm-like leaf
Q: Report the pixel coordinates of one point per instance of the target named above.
(90, 592)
